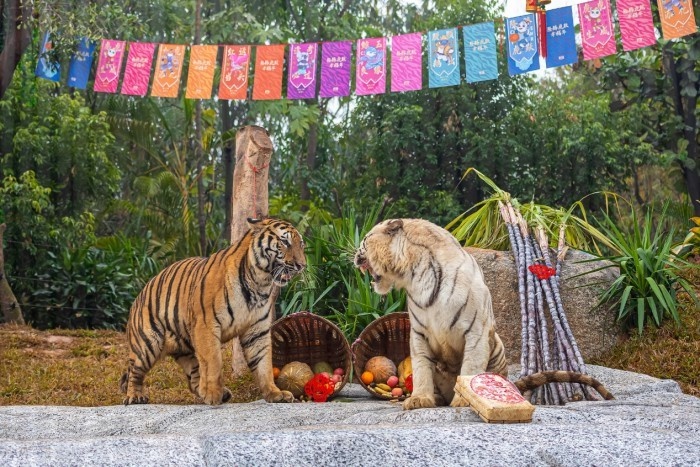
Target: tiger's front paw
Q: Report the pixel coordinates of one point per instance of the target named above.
(136, 400)
(419, 402)
(213, 396)
(279, 396)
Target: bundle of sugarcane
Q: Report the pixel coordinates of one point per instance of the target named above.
(538, 284)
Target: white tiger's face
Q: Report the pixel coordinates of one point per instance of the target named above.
(376, 255)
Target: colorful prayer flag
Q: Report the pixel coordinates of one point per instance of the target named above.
(561, 40)
(80, 64)
(166, 76)
(109, 65)
(137, 72)
(46, 67)
(480, 58)
(597, 33)
(200, 76)
(234, 72)
(407, 62)
(335, 69)
(371, 66)
(269, 60)
(443, 58)
(677, 18)
(522, 44)
(636, 24)
(301, 80)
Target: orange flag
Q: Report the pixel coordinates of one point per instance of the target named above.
(269, 60)
(677, 18)
(166, 77)
(234, 72)
(200, 77)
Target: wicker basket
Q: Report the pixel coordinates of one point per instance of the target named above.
(309, 338)
(387, 336)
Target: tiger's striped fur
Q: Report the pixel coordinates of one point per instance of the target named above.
(449, 305)
(195, 305)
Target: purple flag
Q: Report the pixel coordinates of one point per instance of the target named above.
(371, 66)
(407, 62)
(335, 69)
(301, 82)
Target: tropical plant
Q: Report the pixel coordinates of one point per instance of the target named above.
(332, 286)
(90, 286)
(482, 226)
(690, 246)
(649, 281)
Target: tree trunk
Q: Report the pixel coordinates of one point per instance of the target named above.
(11, 311)
(685, 108)
(226, 126)
(311, 150)
(17, 39)
(198, 147)
(250, 199)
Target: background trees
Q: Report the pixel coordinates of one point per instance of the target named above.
(100, 191)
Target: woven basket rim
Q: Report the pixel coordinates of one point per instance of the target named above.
(344, 344)
(393, 316)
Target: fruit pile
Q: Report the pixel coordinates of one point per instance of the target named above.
(385, 379)
(307, 384)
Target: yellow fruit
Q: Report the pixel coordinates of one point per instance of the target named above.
(293, 376)
(367, 377)
(405, 369)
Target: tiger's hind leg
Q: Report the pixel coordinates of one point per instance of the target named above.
(142, 356)
(190, 365)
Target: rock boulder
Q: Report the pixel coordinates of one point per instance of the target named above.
(595, 328)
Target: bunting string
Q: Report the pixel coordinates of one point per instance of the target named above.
(539, 36)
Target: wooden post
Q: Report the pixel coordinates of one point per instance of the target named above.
(250, 199)
(11, 311)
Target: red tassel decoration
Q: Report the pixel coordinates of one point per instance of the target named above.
(542, 25)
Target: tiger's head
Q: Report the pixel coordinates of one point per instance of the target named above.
(279, 248)
(380, 255)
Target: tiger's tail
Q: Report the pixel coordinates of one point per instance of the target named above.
(536, 380)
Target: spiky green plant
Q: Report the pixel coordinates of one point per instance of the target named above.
(650, 279)
(482, 225)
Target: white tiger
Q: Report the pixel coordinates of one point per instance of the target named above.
(449, 304)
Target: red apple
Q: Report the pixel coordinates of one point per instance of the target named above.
(392, 381)
(339, 371)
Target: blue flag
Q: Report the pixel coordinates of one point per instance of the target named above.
(80, 64)
(45, 67)
(522, 44)
(561, 40)
(443, 58)
(480, 57)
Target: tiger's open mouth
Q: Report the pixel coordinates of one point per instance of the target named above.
(362, 263)
(283, 275)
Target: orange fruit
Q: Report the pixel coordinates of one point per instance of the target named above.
(275, 372)
(367, 377)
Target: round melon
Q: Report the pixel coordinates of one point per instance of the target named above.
(323, 367)
(381, 368)
(293, 377)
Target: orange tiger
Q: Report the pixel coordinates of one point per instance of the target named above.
(195, 305)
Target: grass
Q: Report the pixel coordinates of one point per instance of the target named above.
(82, 368)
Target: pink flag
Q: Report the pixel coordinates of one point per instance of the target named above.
(636, 24)
(138, 68)
(407, 62)
(109, 65)
(597, 33)
(371, 66)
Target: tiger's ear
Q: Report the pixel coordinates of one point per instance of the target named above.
(393, 226)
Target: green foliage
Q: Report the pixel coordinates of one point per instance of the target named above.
(690, 246)
(649, 281)
(90, 287)
(482, 226)
(332, 286)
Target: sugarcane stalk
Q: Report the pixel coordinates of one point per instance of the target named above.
(525, 338)
(532, 329)
(561, 248)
